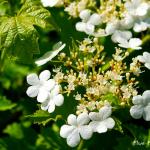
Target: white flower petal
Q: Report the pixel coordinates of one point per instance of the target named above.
(86, 132)
(93, 125)
(111, 28)
(136, 111)
(146, 56)
(58, 100)
(140, 26)
(95, 19)
(44, 75)
(59, 46)
(120, 36)
(124, 44)
(105, 112)
(51, 54)
(89, 29)
(32, 79)
(101, 128)
(32, 91)
(55, 91)
(109, 122)
(127, 22)
(146, 113)
(80, 26)
(142, 9)
(42, 95)
(72, 119)
(146, 97)
(141, 58)
(85, 14)
(138, 99)
(44, 105)
(94, 116)
(135, 43)
(83, 119)
(42, 60)
(65, 130)
(49, 85)
(74, 138)
(147, 65)
(49, 3)
(51, 107)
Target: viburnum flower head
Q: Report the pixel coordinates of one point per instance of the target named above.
(40, 86)
(145, 58)
(101, 121)
(141, 106)
(77, 126)
(54, 99)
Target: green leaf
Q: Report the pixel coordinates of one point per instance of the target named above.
(6, 104)
(14, 130)
(62, 112)
(36, 12)
(18, 35)
(42, 117)
(3, 145)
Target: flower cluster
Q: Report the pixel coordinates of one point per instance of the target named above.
(85, 124)
(141, 106)
(88, 22)
(131, 14)
(97, 81)
(46, 90)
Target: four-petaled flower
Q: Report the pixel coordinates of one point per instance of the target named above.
(41, 86)
(54, 99)
(77, 127)
(145, 59)
(141, 106)
(101, 121)
(88, 22)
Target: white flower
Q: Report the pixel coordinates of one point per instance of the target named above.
(127, 22)
(121, 36)
(137, 7)
(145, 59)
(140, 26)
(133, 43)
(51, 54)
(85, 15)
(88, 22)
(41, 86)
(101, 121)
(141, 106)
(50, 3)
(77, 127)
(54, 99)
(111, 27)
